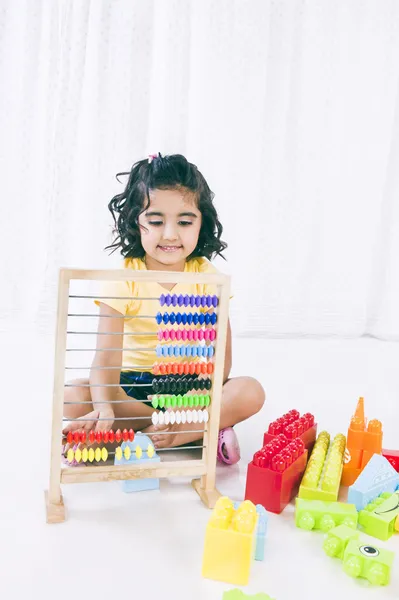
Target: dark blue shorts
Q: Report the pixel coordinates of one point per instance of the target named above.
(143, 387)
(138, 384)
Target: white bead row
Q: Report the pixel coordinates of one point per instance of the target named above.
(180, 416)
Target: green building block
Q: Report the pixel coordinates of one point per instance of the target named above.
(316, 514)
(378, 518)
(322, 477)
(239, 595)
(337, 539)
(369, 562)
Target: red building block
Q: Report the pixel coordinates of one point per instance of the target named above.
(393, 457)
(274, 475)
(292, 425)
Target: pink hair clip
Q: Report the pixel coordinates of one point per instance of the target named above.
(151, 158)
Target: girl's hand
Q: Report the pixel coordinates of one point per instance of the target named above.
(90, 421)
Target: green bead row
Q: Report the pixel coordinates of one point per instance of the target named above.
(180, 401)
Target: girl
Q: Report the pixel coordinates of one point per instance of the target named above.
(164, 220)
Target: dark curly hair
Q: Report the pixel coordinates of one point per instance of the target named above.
(163, 172)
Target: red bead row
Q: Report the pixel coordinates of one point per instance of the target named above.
(100, 436)
(185, 368)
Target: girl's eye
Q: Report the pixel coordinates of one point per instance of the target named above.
(185, 223)
(155, 223)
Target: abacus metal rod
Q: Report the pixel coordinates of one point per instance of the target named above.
(122, 367)
(110, 333)
(97, 349)
(125, 419)
(157, 298)
(97, 315)
(163, 449)
(112, 316)
(134, 400)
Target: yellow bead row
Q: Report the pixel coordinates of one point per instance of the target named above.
(126, 453)
(87, 454)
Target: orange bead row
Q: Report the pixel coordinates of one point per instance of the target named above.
(186, 368)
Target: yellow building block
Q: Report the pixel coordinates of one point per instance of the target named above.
(230, 542)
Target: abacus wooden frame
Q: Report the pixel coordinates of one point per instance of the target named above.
(203, 469)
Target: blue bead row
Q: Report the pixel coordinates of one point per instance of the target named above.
(186, 319)
(186, 300)
(171, 350)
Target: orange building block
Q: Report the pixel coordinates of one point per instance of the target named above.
(363, 440)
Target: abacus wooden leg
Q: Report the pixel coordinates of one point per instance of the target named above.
(55, 513)
(208, 497)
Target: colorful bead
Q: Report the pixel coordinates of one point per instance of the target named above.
(111, 436)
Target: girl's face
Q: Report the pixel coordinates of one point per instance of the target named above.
(169, 228)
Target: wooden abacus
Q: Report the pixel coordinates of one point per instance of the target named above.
(203, 469)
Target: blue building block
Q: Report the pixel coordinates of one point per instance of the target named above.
(377, 477)
(261, 531)
(138, 485)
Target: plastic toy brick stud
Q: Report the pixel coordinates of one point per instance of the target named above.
(337, 539)
(275, 472)
(368, 561)
(292, 425)
(323, 473)
(378, 476)
(240, 595)
(378, 518)
(230, 542)
(324, 516)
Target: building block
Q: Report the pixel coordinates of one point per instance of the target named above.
(230, 542)
(260, 532)
(323, 473)
(393, 457)
(363, 441)
(141, 451)
(378, 518)
(292, 425)
(337, 539)
(369, 562)
(275, 472)
(378, 476)
(316, 514)
(240, 595)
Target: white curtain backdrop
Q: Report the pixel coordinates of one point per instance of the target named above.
(290, 108)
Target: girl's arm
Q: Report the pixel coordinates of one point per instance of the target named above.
(228, 355)
(105, 357)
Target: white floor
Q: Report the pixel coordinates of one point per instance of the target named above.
(115, 545)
